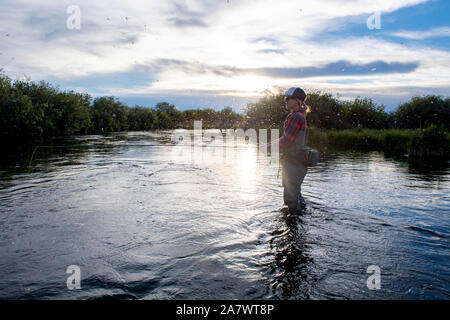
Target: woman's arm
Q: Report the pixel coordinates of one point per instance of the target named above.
(294, 125)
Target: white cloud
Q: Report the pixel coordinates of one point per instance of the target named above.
(425, 34)
(117, 36)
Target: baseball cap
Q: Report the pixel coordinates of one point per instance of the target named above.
(296, 93)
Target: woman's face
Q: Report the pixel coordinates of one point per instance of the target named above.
(291, 103)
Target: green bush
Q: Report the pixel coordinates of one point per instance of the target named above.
(316, 137)
(354, 139)
(325, 111)
(267, 112)
(164, 121)
(363, 112)
(140, 118)
(109, 115)
(395, 141)
(430, 142)
(422, 112)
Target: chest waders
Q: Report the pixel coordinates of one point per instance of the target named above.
(293, 173)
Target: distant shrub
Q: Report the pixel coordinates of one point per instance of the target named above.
(316, 137)
(354, 139)
(364, 112)
(433, 141)
(325, 111)
(430, 142)
(395, 141)
(421, 112)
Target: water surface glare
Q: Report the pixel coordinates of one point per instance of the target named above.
(141, 225)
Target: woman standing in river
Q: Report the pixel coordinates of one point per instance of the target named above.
(290, 145)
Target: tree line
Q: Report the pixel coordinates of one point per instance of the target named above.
(31, 110)
(328, 112)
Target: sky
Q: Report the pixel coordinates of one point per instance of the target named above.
(217, 53)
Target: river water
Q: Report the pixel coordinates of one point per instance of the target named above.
(143, 222)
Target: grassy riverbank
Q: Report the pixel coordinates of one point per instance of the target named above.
(430, 142)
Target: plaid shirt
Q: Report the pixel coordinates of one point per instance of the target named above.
(294, 122)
